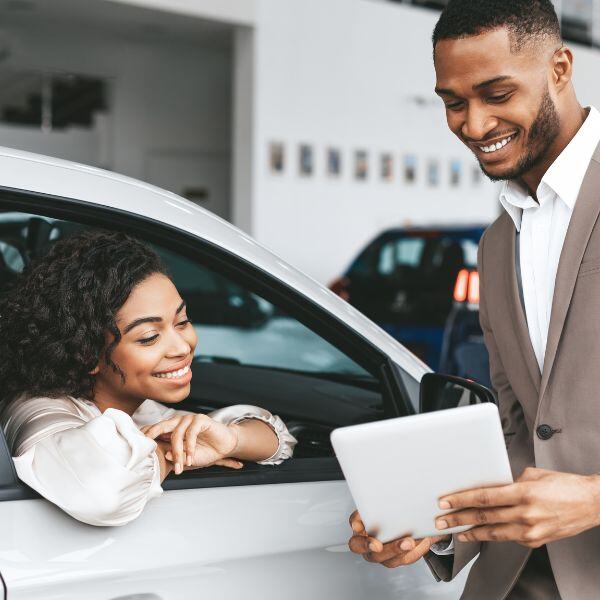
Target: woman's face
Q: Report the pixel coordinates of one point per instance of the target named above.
(156, 347)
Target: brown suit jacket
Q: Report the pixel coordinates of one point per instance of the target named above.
(566, 396)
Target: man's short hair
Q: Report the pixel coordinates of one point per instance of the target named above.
(526, 20)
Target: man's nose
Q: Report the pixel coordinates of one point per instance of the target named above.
(478, 123)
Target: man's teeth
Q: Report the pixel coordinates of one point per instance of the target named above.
(497, 146)
(173, 374)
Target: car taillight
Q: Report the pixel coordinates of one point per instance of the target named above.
(340, 287)
(466, 288)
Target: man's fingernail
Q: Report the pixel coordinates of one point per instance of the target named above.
(373, 547)
(462, 537)
(444, 504)
(441, 524)
(405, 545)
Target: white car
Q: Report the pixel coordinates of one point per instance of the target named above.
(268, 335)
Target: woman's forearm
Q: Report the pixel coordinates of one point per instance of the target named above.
(166, 466)
(256, 441)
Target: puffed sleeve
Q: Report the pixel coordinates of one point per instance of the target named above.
(102, 472)
(240, 412)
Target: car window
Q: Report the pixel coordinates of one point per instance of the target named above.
(234, 324)
(257, 345)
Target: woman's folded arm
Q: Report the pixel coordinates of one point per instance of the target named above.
(102, 472)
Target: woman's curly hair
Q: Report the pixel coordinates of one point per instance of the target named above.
(54, 319)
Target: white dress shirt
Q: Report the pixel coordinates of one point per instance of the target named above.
(542, 228)
(99, 467)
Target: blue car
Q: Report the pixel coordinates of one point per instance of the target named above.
(405, 281)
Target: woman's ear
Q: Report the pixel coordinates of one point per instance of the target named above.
(95, 370)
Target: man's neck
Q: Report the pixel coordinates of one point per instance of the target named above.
(570, 125)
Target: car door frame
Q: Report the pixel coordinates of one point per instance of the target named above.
(396, 401)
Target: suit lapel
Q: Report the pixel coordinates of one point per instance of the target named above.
(580, 229)
(516, 307)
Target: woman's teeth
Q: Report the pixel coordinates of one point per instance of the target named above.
(497, 146)
(172, 374)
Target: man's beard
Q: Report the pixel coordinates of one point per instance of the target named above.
(542, 134)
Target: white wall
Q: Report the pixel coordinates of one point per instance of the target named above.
(345, 73)
(166, 98)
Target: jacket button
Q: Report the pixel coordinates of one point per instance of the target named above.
(544, 432)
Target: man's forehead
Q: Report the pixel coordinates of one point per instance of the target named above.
(473, 60)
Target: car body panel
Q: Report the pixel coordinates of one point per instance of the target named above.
(255, 537)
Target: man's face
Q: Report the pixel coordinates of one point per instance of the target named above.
(498, 102)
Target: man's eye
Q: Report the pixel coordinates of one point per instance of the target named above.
(499, 98)
(454, 106)
(148, 340)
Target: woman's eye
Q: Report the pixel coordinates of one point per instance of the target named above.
(183, 323)
(148, 340)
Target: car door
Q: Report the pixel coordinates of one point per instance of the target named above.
(265, 532)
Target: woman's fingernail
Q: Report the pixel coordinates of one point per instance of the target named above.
(441, 524)
(406, 545)
(189, 460)
(444, 504)
(178, 469)
(373, 547)
(169, 456)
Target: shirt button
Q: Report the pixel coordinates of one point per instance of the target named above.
(544, 432)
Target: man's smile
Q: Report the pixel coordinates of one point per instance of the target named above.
(493, 150)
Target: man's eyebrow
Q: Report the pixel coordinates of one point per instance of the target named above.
(489, 82)
(143, 320)
(478, 86)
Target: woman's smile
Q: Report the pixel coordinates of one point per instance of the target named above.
(181, 376)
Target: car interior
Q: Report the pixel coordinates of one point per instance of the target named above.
(249, 351)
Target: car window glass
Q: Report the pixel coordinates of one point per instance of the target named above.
(234, 324)
(401, 252)
(470, 252)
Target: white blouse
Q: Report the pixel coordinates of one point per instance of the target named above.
(99, 467)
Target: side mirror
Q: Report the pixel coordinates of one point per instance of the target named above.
(439, 392)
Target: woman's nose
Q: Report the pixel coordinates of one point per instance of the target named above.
(178, 346)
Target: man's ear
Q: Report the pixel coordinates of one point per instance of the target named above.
(562, 68)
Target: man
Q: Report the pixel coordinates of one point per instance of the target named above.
(504, 76)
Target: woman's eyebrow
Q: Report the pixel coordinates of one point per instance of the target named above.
(140, 321)
(143, 320)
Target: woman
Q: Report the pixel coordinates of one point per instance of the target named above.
(92, 337)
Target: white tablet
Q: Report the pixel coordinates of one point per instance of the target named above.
(398, 469)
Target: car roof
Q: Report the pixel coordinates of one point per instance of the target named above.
(36, 173)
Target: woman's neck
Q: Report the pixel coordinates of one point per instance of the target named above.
(103, 400)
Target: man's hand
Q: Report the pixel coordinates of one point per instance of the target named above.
(540, 507)
(404, 551)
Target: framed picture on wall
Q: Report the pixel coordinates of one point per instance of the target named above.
(410, 168)
(361, 165)
(276, 157)
(334, 162)
(455, 173)
(305, 160)
(387, 167)
(433, 172)
(476, 175)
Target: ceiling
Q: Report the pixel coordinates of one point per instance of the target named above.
(116, 20)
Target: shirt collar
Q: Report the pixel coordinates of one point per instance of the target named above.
(563, 178)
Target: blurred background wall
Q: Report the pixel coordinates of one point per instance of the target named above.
(311, 124)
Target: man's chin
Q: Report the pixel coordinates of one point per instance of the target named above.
(500, 173)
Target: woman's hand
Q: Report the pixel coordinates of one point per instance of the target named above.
(196, 441)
